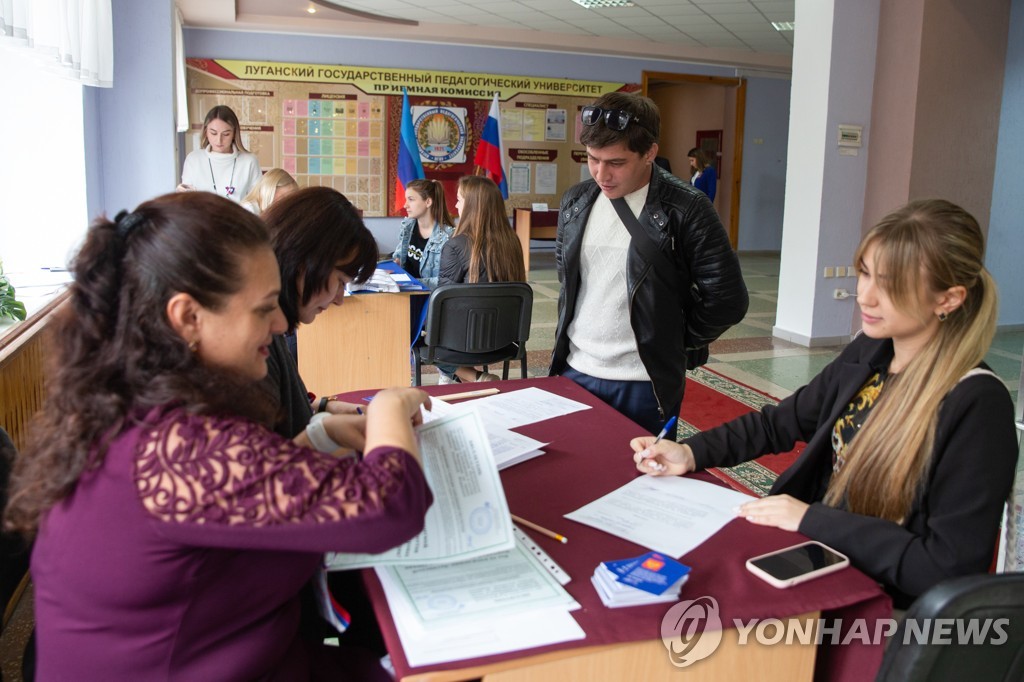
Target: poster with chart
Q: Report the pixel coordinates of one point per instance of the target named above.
(322, 134)
(338, 126)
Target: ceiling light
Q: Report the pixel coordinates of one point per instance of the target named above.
(783, 25)
(591, 4)
(311, 9)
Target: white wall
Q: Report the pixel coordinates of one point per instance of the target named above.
(805, 169)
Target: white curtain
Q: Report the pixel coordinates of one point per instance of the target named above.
(180, 88)
(74, 38)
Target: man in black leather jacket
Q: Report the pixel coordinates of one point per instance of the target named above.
(630, 316)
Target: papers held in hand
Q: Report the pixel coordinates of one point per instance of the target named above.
(469, 517)
(380, 281)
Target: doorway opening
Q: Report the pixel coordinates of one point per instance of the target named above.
(693, 110)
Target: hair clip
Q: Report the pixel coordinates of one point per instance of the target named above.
(126, 222)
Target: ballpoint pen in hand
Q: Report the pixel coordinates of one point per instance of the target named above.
(664, 431)
(657, 466)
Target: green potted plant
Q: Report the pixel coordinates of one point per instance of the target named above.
(10, 307)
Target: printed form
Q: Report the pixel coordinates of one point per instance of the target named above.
(469, 517)
(669, 515)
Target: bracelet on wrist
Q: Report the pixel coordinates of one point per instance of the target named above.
(317, 434)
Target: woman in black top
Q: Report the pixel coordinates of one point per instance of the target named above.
(911, 448)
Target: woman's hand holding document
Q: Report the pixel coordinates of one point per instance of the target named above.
(469, 517)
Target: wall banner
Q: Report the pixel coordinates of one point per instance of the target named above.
(379, 81)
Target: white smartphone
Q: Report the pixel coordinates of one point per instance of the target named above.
(797, 564)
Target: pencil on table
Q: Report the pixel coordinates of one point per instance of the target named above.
(540, 529)
(468, 394)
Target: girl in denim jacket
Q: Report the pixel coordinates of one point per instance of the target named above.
(424, 232)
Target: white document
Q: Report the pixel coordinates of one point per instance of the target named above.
(508, 447)
(519, 178)
(380, 280)
(547, 178)
(455, 630)
(469, 517)
(670, 515)
(500, 583)
(556, 124)
(483, 637)
(525, 406)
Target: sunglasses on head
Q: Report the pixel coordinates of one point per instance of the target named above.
(614, 119)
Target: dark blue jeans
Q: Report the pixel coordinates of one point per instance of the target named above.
(635, 399)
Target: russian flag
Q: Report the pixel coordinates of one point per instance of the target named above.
(489, 151)
(409, 166)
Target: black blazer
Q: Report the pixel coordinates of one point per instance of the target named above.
(953, 524)
(454, 267)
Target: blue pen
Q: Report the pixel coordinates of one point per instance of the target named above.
(359, 411)
(664, 431)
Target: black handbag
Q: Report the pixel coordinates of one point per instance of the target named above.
(695, 357)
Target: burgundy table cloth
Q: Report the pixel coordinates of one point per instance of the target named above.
(589, 456)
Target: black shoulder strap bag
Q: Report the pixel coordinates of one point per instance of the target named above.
(695, 357)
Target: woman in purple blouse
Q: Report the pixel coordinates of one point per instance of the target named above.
(173, 529)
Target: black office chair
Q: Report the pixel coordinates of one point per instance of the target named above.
(980, 597)
(477, 324)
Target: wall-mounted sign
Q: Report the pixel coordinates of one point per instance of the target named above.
(441, 134)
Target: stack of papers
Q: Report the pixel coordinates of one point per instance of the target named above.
(508, 446)
(490, 605)
(651, 578)
(470, 584)
(381, 280)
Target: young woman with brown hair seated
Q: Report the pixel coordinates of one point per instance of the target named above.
(484, 249)
(911, 449)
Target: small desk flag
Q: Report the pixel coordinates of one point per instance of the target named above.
(409, 166)
(489, 151)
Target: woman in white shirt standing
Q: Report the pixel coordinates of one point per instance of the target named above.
(222, 164)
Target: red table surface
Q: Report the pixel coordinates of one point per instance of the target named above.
(547, 218)
(589, 456)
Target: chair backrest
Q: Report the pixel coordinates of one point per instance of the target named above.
(983, 638)
(479, 318)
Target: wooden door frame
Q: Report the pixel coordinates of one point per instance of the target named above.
(737, 154)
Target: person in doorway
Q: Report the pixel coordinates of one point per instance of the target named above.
(703, 175)
(911, 448)
(633, 305)
(222, 164)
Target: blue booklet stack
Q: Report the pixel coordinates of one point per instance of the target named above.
(650, 578)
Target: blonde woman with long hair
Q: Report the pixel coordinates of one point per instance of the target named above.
(911, 448)
(484, 249)
(275, 184)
